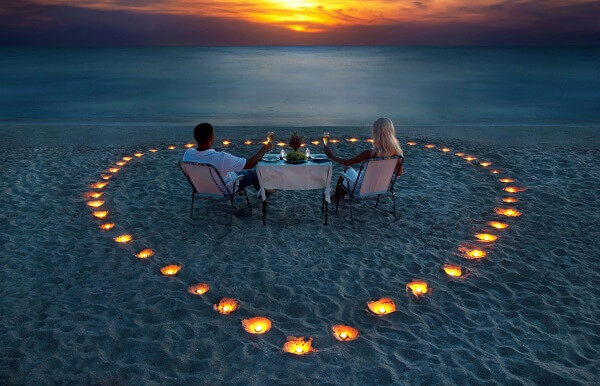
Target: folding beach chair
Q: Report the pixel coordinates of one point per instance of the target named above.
(375, 180)
(207, 183)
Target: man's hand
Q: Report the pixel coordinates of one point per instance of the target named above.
(267, 147)
(327, 151)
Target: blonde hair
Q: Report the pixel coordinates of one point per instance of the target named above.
(385, 143)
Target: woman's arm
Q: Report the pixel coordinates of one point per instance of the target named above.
(362, 157)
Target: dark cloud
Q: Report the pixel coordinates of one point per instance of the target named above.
(25, 23)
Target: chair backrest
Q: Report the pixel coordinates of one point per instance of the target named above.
(204, 178)
(378, 175)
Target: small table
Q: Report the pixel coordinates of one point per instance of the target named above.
(282, 175)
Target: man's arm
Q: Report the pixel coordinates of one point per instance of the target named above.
(252, 161)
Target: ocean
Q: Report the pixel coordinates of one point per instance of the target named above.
(116, 89)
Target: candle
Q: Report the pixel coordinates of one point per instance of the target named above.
(144, 253)
(430, 146)
(509, 199)
(171, 147)
(123, 238)
(99, 185)
(256, 325)
(452, 270)
(344, 333)
(95, 204)
(411, 143)
(445, 149)
(170, 270)
(100, 213)
(486, 237)
(507, 212)
(382, 306)
(107, 226)
(506, 180)
(485, 164)
(514, 189)
(418, 288)
(226, 306)
(498, 225)
(199, 289)
(298, 346)
(189, 145)
(226, 143)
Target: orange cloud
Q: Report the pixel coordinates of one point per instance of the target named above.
(320, 16)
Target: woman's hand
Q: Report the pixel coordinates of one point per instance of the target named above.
(327, 151)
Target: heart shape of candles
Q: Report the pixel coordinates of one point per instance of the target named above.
(259, 324)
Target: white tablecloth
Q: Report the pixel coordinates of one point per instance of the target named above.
(285, 176)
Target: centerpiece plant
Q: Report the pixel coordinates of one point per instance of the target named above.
(295, 142)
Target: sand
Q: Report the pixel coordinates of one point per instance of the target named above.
(77, 307)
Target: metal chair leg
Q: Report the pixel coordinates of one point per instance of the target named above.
(326, 211)
(351, 214)
(394, 202)
(247, 200)
(264, 211)
(192, 209)
(376, 203)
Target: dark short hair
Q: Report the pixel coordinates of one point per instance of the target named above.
(202, 132)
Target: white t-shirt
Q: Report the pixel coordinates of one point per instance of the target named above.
(225, 163)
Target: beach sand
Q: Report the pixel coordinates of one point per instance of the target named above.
(77, 307)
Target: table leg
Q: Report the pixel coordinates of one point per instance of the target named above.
(323, 202)
(264, 211)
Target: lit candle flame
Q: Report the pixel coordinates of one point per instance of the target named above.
(120, 163)
(105, 176)
(144, 253)
(469, 158)
(247, 142)
(452, 270)
(418, 287)
(316, 142)
(226, 306)
(485, 164)
(506, 180)
(100, 213)
(352, 140)
(127, 159)
(256, 325)
(473, 253)
(344, 333)
(153, 150)
(189, 145)
(514, 189)
(382, 306)
(94, 194)
(509, 199)
(114, 170)
(199, 289)
(123, 238)
(411, 143)
(486, 237)
(507, 212)
(459, 154)
(498, 225)
(430, 146)
(99, 185)
(95, 204)
(445, 149)
(171, 147)
(334, 140)
(170, 270)
(138, 154)
(496, 171)
(281, 144)
(226, 143)
(369, 140)
(107, 226)
(298, 346)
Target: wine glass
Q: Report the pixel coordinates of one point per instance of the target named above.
(326, 138)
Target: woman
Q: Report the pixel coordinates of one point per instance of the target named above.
(385, 144)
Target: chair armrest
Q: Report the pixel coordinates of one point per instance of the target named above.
(347, 177)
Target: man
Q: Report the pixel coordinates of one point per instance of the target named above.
(228, 165)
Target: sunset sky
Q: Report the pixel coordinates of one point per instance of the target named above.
(270, 22)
